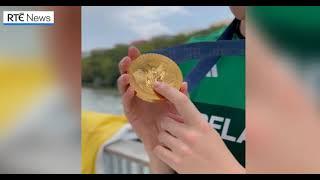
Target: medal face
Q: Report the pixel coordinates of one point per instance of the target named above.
(149, 68)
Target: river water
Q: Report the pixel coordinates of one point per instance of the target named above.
(101, 100)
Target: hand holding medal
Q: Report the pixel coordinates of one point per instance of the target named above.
(136, 82)
(149, 68)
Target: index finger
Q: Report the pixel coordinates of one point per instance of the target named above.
(181, 102)
(124, 64)
(133, 52)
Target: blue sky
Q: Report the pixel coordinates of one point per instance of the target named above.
(103, 27)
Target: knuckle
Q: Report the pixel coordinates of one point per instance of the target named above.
(157, 150)
(161, 136)
(177, 161)
(205, 126)
(165, 87)
(191, 137)
(165, 124)
(186, 151)
(182, 99)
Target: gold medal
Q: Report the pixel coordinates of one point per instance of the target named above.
(149, 68)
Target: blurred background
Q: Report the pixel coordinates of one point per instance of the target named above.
(40, 94)
(283, 89)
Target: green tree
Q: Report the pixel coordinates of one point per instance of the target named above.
(100, 68)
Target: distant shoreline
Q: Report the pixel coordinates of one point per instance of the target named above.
(90, 85)
(113, 91)
(100, 66)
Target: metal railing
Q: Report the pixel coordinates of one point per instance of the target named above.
(126, 157)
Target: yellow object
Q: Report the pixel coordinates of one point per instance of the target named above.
(97, 128)
(22, 82)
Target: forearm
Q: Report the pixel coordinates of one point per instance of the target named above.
(238, 169)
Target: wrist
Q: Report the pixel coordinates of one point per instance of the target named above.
(157, 166)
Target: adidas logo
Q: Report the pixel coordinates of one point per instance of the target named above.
(213, 72)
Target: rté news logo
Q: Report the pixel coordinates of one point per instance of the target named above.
(28, 17)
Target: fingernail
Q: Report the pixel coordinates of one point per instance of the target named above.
(131, 47)
(127, 58)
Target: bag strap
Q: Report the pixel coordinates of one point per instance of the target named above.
(199, 50)
(208, 53)
(205, 64)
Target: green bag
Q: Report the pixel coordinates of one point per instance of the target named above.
(220, 96)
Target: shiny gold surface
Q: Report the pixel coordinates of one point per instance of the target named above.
(149, 68)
